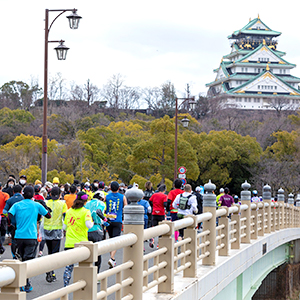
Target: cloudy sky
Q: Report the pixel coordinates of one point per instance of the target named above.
(149, 43)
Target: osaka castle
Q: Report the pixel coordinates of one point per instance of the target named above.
(255, 75)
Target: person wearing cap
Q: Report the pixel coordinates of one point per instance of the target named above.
(96, 233)
(23, 180)
(38, 182)
(70, 198)
(52, 228)
(55, 181)
(219, 196)
(25, 214)
(199, 197)
(115, 202)
(48, 187)
(226, 199)
(77, 222)
(9, 187)
(87, 190)
(255, 198)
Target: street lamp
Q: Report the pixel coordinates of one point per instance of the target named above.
(61, 51)
(185, 122)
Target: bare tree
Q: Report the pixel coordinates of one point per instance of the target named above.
(57, 88)
(119, 96)
(281, 103)
(87, 92)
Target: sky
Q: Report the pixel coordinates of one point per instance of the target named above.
(148, 43)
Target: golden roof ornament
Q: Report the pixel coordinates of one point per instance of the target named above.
(264, 42)
(249, 20)
(258, 16)
(267, 68)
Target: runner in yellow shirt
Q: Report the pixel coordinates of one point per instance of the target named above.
(78, 220)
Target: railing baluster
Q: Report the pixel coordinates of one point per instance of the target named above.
(209, 205)
(225, 240)
(246, 199)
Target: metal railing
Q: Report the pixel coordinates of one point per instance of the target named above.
(237, 224)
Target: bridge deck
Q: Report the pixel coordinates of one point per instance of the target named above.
(211, 281)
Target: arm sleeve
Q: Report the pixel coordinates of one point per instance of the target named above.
(100, 214)
(89, 224)
(176, 201)
(149, 209)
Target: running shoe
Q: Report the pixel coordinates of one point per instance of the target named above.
(112, 263)
(49, 277)
(53, 276)
(26, 288)
(151, 243)
(40, 254)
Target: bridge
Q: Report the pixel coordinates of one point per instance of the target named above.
(227, 260)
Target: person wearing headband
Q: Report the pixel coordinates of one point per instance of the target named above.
(77, 222)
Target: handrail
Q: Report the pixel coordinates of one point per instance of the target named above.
(244, 207)
(156, 231)
(233, 209)
(80, 284)
(7, 276)
(47, 263)
(204, 217)
(116, 243)
(185, 222)
(221, 212)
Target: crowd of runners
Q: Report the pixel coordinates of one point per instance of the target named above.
(34, 215)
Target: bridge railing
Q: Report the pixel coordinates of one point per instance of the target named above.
(223, 229)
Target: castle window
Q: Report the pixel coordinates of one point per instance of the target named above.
(258, 86)
(275, 87)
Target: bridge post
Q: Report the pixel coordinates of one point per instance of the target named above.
(237, 235)
(267, 199)
(261, 217)
(209, 205)
(291, 210)
(191, 232)
(88, 272)
(246, 199)
(281, 214)
(253, 221)
(167, 240)
(224, 221)
(12, 291)
(134, 223)
(276, 216)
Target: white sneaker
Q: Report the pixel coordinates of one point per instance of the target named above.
(112, 263)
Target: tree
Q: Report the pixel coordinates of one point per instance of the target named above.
(119, 96)
(225, 157)
(88, 92)
(57, 88)
(13, 122)
(155, 155)
(22, 152)
(20, 94)
(281, 103)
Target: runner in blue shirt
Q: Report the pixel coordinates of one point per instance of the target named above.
(26, 214)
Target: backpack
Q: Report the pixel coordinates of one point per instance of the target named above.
(183, 202)
(148, 194)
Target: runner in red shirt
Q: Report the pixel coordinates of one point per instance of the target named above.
(171, 197)
(159, 201)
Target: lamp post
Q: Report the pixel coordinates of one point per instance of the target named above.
(185, 122)
(61, 51)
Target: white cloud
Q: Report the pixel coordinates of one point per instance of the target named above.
(148, 42)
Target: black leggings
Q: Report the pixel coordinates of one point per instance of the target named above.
(156, 219)
(96, 236)
(53, 246)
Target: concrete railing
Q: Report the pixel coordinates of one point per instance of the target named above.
(139, 273)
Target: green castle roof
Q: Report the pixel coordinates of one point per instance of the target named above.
(247, 29)
(257, 76)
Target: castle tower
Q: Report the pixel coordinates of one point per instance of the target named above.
(254, 75)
